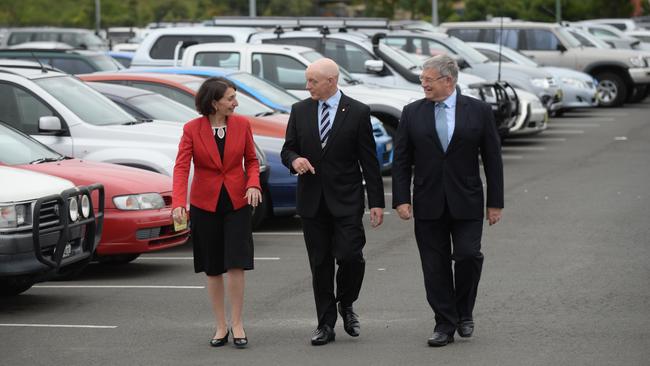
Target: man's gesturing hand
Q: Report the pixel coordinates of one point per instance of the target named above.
(404, 211)
(302, 166)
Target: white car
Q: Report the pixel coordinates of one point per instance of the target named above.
(47, 226)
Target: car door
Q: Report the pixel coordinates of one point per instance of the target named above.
(283, 70)
(22, 109)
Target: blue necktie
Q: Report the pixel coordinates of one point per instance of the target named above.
(324, 126)
(441, 124)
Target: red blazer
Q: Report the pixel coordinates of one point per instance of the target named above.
(210, 174)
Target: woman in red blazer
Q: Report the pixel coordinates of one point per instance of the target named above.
(223, 191)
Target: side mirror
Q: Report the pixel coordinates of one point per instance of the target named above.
(462, 64)
(49, 124)
(375, 66)
(560, 47)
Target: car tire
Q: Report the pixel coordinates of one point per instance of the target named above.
(612, 91)
(639, 93)
(13, 286)
(117, 259)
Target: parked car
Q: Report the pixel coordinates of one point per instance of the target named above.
(611, 35)
(75, 37)
(45, 104)
(47, 225)
(162, 46)
(550, 44)
(122, 57)
(579, 89)
(137, 212)
(69, 61)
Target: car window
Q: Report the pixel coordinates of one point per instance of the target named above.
(159, 107)
(282, 70)
(21, 109)
(494, 55)
(349, 56)
(19, 37)
(227, 60)
(163, 48)
(540, 40)
(506, 37)
(72, 65)
(583, 40)
(17, 149)
(268, 90)
(602, 32)
(467, 35)
(178, 95)
(105, 63)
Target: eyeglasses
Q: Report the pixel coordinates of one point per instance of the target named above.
(431, 80)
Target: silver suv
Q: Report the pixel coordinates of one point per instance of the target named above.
(618, 71)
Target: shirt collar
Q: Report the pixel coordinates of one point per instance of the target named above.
(450, 102)
(333, 101)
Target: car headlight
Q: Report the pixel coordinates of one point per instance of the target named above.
(144, 201)
(574, 83)
(73, 209)
(540, 82)
(638, 61)
(85, 206)
(12, 216)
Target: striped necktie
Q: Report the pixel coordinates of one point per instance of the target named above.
(441, 124)
(324, 126)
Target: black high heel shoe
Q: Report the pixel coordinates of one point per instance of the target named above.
(218, 342)
(240, 342)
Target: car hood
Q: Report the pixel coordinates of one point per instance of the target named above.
(563, 72)
(118, 180)
(24, 185)
(376, 94)
(523, 71)
(157, 131)
(274, 125)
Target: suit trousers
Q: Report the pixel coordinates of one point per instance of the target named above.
(329, 239)
(451, 295)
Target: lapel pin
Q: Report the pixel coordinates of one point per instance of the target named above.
(343, 109)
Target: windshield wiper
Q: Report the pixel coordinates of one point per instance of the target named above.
(46, 160)
(137, 122)
(264, 114)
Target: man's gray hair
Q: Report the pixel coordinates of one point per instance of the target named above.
(445, 65)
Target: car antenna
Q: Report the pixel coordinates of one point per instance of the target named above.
(43, 70)
(500, 42)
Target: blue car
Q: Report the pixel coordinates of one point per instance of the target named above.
(276, 98)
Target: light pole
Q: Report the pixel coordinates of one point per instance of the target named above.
(434, 12)
(98, 16)
(252, 11)
(558, 11)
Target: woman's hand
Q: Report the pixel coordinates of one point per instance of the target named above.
(179, 214)
(253, 196)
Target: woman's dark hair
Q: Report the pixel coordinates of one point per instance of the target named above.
(212, 89)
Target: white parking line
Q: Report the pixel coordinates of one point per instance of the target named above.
(512, 157)
(523, 148)
(563, 132)
(539, 139)
(61, 326)
(575, 125)
(121, 286)
(191, 258)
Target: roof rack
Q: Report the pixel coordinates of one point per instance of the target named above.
(298, 23)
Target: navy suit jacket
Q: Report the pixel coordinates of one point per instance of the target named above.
(450, 177)
(350, 149)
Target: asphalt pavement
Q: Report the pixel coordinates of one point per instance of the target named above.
(566, 278)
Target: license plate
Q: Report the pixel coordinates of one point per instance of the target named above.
(67, 251)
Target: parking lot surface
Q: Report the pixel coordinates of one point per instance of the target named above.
(565, 279)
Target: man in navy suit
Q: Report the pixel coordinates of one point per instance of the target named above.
(441, 136)
(329, 144)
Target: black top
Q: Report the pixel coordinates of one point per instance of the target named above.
(224, 204)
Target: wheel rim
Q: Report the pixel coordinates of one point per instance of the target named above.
(607, 91)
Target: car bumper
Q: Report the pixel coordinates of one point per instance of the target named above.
(640, 75)
(579, 98)
(139, 232)
(533, 121)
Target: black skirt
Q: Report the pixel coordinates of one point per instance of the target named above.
(222, 240)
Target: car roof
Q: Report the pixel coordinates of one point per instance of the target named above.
(48, 29)
(28, 69)
(221, 46)
(177, 81)
(489, 24)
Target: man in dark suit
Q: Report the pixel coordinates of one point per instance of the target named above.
(330, 145)
(441, 136)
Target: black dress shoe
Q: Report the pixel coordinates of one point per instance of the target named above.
(240, 342)
(323, 335)
(350, 320)
(466, 328)
(439, 339)
(218, 342)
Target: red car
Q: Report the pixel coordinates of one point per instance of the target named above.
(137, 216)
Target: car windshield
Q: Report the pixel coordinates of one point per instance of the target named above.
(573, 42)
(345, 79)
(160, 107)
(464, 50)
(82, 100)
(587, 40)
(106, 63)
(397, 56)
(18, 149)
(268, 90)
(247, 105)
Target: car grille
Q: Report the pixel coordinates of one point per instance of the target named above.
(551, 81)
(168, 200)
(149, 233)
(49, 214)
